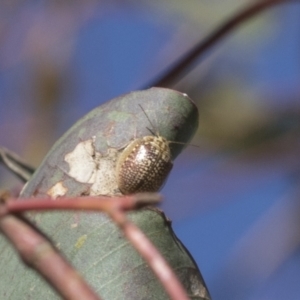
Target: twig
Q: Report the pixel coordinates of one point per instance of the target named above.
(15, 164)
(38, 253)
(185, 63)
(99, 203)
(152, 256)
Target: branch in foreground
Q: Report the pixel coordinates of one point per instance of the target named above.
(100, 203)
(114, 207)
(148, 251)
(185, 63)
(37, 252)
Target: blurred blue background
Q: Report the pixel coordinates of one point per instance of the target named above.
(234, 201)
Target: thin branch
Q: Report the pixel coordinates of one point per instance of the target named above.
(15, 164)
(100, 203)
(186, 62)
(38, 253)
(152, 256)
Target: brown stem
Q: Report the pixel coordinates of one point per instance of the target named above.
(38, 253)
(152, 256)
(185, 63)
(105, 204)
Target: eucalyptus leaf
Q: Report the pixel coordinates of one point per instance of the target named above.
(83, 162)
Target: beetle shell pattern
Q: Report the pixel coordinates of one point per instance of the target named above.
(144, 165)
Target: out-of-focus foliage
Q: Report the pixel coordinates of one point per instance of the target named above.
(234, 200)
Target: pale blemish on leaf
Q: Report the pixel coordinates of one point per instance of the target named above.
(58, 190)
(32, 288)
(82, 162)
(81, 240)
(86, 165)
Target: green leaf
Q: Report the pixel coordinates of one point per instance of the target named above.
(92, 243)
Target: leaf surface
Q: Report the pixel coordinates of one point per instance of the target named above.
(83, 162)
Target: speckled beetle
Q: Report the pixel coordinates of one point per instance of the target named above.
(145, 164)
